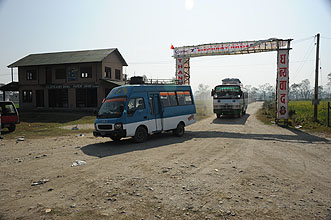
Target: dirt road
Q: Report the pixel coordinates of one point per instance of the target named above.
(220, 169)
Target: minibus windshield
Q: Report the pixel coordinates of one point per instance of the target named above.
(112, 108)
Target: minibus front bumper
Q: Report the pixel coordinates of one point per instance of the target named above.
(111, 134)
(227, 111)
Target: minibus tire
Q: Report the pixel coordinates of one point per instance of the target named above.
(140, 135)
(179, 131)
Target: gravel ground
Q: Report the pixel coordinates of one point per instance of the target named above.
(228, 168)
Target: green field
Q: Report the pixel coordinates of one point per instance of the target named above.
(304, 113)
(301, 113)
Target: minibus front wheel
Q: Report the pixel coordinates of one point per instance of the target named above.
(179, 131)
(140, 135)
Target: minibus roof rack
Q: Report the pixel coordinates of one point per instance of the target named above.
(138, 80)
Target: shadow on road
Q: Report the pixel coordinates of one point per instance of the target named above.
(231, 120)
(298, 137)
(110, 148)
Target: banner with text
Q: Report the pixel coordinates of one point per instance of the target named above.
(180, 71)
(243, 47)
(282, 84)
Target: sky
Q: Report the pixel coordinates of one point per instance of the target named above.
(144, 30)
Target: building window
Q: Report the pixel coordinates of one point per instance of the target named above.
(117, 74)
(86, 72)
(108, 72)
(31, 74)
(27, 96)
(86, 98)
(58, 98)
(60, 73)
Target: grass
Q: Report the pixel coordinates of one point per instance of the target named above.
(300, 113)
(43, 124)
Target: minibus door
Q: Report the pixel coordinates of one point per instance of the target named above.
(156, 113)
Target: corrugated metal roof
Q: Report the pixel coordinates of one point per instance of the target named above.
(116, 82)
(13, 86)
(85, 56)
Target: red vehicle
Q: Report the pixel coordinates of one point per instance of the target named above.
(9, 115)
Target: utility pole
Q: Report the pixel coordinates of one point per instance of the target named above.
(315, 101)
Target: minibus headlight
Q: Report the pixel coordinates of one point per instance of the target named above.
(215, 96)
(118, 126)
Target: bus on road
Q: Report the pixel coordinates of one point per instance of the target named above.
(229, 98)
(138, 110)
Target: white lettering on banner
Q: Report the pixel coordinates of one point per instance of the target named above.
(283, 83)
(180, 70)
(227, 48)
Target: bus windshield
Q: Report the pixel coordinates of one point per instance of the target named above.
(227, 91)
(112, 108)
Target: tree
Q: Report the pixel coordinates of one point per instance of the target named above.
(295, 91)
(248, 88)
(329, 83)
(202, 92)
(267, 90)
(252, 93)
(305, 89)
(321, 93)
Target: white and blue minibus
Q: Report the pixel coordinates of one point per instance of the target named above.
(138, 110)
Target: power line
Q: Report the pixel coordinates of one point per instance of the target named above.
(155, 62)
(171, 62)
(302, 40)
(308, 52)
(328, 38)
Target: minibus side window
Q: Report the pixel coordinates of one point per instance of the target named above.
(135, 104)
(140, 104)
(164, 99)
(181, 98)
(184, 98)
(188, 98)
(151, 107)
(172, 98)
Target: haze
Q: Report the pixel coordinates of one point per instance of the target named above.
(144, 30)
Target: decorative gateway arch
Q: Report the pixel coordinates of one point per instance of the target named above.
(183, 55)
